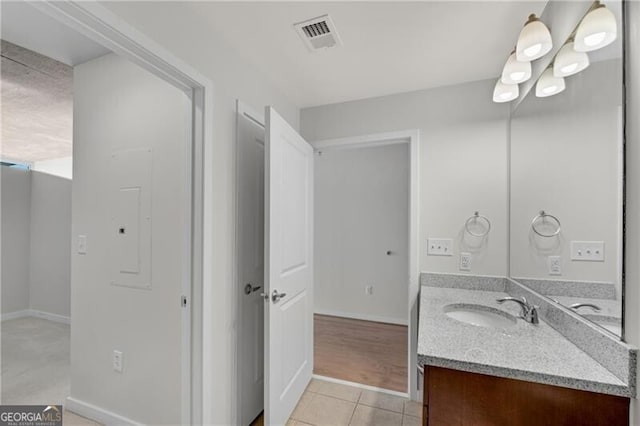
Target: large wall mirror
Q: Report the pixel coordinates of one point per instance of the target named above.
(567, 174)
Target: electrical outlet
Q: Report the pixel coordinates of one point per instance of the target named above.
(117, 361)
(368, 290)
(554, 263)
(465, 261)
(439, 247)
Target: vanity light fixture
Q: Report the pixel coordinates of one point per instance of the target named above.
(515, 71)
(505, 92)
(597, 29)
(534, 40)
(569, 62)
(548, 84)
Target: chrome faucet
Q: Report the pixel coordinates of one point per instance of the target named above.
(529, 313)
(576, 306)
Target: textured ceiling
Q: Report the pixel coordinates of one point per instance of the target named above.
(37, 106)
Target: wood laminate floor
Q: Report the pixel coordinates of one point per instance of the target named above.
(366, 352)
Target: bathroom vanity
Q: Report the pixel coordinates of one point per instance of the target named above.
(485, 365)
(453, 397)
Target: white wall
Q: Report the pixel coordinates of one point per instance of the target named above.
(188, 36)
(119, 106)
(36, 232)
(62, 167)
(463, 161)
(16, 206)
(50, 258)
(632, 237)
(566, 160)
(361, 211)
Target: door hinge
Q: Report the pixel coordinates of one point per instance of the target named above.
(183, 301)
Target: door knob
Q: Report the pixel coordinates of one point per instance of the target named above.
(249, 288)
(275, 296)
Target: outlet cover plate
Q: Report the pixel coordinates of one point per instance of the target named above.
(554, 264)
(465, 261)
(439, 247)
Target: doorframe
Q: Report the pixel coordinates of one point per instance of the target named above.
(102, 26)
(412, 137)
(258, 119)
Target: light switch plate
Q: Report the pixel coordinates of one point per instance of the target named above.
(439, 247)
(82, 244)
(587, 251)
(117, 361)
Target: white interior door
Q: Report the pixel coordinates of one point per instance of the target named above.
(251, 162)
(288, 268)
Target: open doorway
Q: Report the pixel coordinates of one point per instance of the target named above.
(362, 264)
(102, 310)
(36, 175)
(375, 173)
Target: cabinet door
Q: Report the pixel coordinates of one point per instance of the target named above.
(459, 398)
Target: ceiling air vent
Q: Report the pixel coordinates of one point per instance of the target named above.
(318, 33)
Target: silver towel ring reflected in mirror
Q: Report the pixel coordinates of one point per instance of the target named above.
(543, 216)
(475, 218)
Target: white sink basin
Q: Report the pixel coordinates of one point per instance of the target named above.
(480, 315)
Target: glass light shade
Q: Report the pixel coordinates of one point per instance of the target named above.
(505, 92)
(515, 72)
(534, 40)
(569, 62)
(597, 29)
(548, 84)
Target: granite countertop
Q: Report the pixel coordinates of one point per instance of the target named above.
(535, 353)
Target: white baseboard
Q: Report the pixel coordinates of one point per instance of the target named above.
(97, 414)
(15, 315)
(364, 317)
(50, 317)
(361, 386)
(36, 314)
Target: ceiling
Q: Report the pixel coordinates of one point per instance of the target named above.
(37, 106)
(388, 47)
(38, 53)
(26, 26)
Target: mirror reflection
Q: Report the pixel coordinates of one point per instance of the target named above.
(567, 182)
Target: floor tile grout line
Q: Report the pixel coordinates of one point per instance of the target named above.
(338, 398)
(383, 409)
(358, 402)
(353, 413)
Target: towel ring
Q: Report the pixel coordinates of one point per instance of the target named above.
(542, 215)
(477, 216)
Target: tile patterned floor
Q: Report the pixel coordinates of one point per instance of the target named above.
(331, 404)
(323, 403)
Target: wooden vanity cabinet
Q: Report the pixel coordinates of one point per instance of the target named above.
(453, 397)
